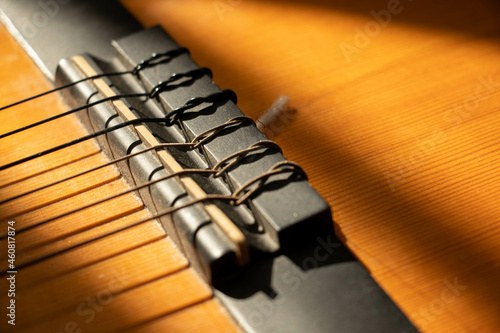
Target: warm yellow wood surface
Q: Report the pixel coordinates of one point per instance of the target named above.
(82, 275)
(401, 136)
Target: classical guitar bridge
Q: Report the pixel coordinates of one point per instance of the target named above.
(253, 200)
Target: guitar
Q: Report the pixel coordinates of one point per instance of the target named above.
(396, 108)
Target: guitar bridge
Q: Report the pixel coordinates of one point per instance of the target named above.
(169, 118)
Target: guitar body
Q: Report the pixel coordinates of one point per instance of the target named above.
(396, 125)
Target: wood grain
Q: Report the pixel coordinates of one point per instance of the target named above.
(93, 268)
(399, 133)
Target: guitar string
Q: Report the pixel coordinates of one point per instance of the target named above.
(281, 167)
(200, 139)
(195, 143)
(154, 60)
(158, 215)
(117, 195)
(235, 158)
(79, 140)
(161, 87)
(233, 199)
(117, 160)
(168, 120)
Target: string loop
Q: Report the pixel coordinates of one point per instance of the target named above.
(159, 58)
(278, 168)
(191, 76)
(235, 158)
(215, 98)
(209, 134)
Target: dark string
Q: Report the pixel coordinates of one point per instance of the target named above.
(195, 143)
(60, 115)
(82, 139)
(191, 75)
(218, 97)
(154, 60)
(162, 86)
